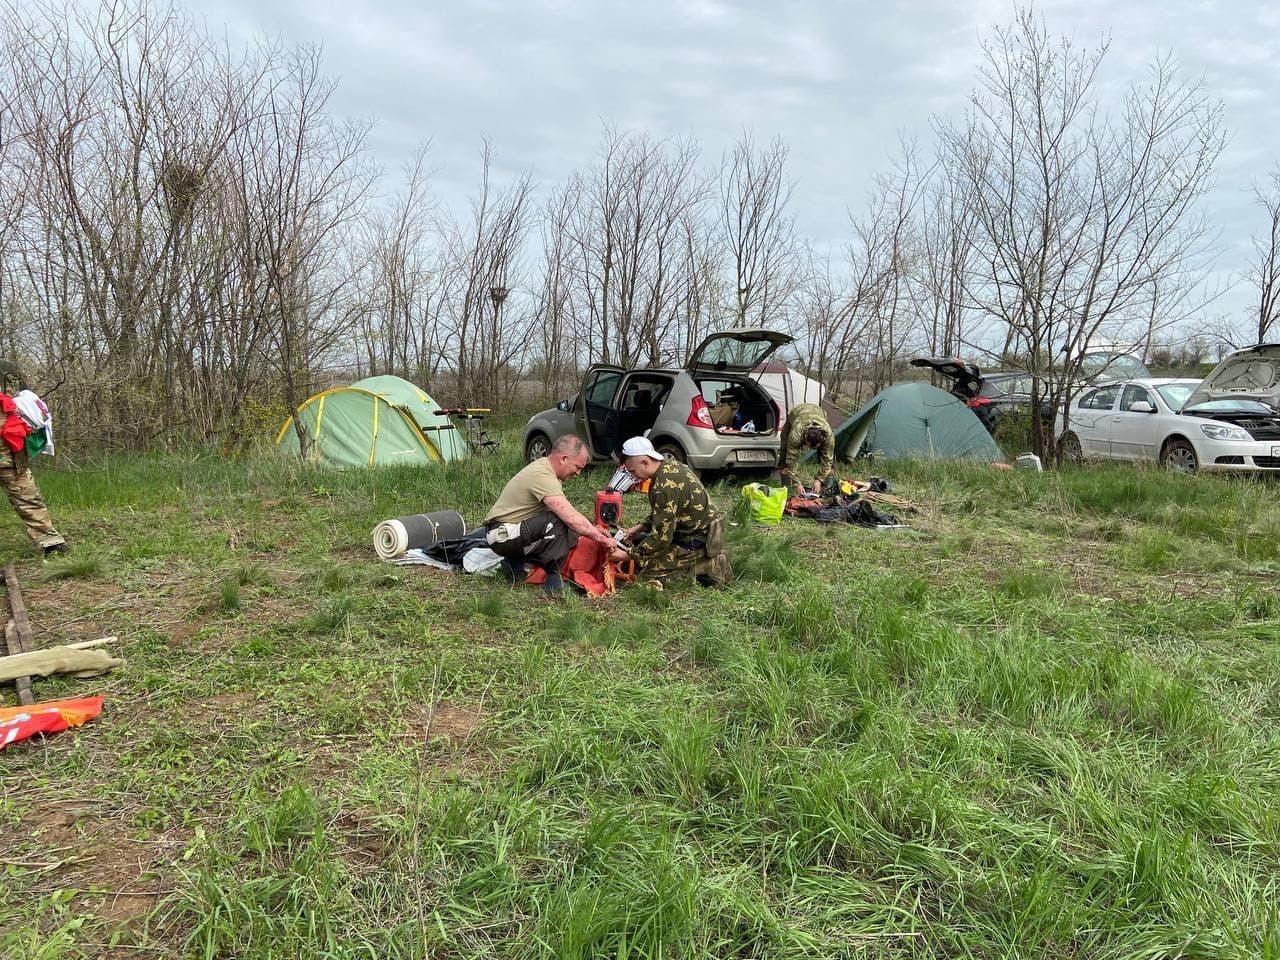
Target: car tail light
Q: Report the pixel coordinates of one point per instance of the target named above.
(980, 401)
(699, 415)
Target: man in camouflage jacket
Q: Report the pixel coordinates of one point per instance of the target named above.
(684, 532)
(807, 428)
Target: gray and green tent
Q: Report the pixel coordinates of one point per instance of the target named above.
(374, 422)
(915, 420)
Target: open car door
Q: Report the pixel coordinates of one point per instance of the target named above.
(736, 350)
(595, 415)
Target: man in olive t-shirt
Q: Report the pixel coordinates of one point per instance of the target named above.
(533, 521)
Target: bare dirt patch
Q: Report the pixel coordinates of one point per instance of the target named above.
(117, 878)
(53, 826)
(456, 722)
(362, 838)
(227, 701)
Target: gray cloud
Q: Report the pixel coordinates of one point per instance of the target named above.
(838, 81)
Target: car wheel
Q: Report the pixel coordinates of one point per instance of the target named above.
(536, 447)
(1180, 456)
(669, 448)
(1069, 450)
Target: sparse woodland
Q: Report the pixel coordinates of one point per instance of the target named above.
(192, 240)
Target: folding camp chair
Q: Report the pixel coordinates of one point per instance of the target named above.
(477, 438)
(472, 419)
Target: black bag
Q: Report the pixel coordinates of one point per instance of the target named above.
(859, 512)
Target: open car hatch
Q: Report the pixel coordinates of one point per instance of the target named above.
(736, 350)
(965, 377)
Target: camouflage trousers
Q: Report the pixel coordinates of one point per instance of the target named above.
(20, 484)
(708, 565)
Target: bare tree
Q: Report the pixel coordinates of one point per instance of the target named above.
(831, 331)
(857, 325)
(702, 287)
(301, 182)
(12, 202)
(946, 240)
(488, 338)
(180, 248)
(635, 220)
(405, 280)
(758, 232)
(1264, 274)
(124, 114)
(1082, 216)
(885, 258)
(554, 315)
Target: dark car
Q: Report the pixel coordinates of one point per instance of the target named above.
(1002, 393)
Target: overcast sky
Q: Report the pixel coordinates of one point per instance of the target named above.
(837, 81)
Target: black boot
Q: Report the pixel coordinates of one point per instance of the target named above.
(554, 587)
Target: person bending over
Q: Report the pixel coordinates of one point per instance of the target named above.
(807, 429)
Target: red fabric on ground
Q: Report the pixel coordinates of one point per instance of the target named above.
(20, 723)
(584, 566)
(802, 506)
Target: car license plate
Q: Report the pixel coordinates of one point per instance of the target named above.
(755, 456)
(1275, 451)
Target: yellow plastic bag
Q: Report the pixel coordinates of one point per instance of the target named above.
(767, 503)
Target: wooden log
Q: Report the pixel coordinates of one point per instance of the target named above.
(17, 632)
(89, 644)
(26, 696)
(18, 609)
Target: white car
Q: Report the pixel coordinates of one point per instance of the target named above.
(1230, 421)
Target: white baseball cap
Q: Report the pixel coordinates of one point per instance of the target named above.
(640, 447)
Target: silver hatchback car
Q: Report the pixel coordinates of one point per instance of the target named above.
(711, 415)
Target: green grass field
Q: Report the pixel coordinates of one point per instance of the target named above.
(1040, 724)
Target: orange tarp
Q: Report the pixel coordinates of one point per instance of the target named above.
(19, 723)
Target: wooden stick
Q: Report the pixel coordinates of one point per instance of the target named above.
(19, 609)
(17, 632)
(26, 696)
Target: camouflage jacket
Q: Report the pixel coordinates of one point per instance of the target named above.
(800, 419)
(679, 509)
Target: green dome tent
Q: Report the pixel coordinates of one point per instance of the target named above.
(374, 422)
(915, 420)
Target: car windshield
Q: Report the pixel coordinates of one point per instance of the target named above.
(1231, 406)
(1175, 394)
(1113, 366)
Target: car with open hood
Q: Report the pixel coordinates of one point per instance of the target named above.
(1227, 422)
(711, 414)
(997, 394)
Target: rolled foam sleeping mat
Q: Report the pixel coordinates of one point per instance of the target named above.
(393, 537)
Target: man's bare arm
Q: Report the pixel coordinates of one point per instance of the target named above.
(575, 521)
